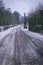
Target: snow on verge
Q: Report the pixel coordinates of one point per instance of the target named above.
(4, 33)
(33, 34)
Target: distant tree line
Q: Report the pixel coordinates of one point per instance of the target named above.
(35, 20)
(6, 17)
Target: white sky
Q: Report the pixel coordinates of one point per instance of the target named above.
(22, 6)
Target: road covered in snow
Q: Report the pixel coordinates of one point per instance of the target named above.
(21, 47)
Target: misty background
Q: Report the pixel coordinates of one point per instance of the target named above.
(27, 12)
(22, 6)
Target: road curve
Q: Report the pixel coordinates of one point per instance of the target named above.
(19, 49)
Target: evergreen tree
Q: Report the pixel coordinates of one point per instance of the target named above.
(35, 20)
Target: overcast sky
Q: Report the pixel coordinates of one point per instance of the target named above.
(22, 6)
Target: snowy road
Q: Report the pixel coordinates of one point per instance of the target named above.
(18, 48)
